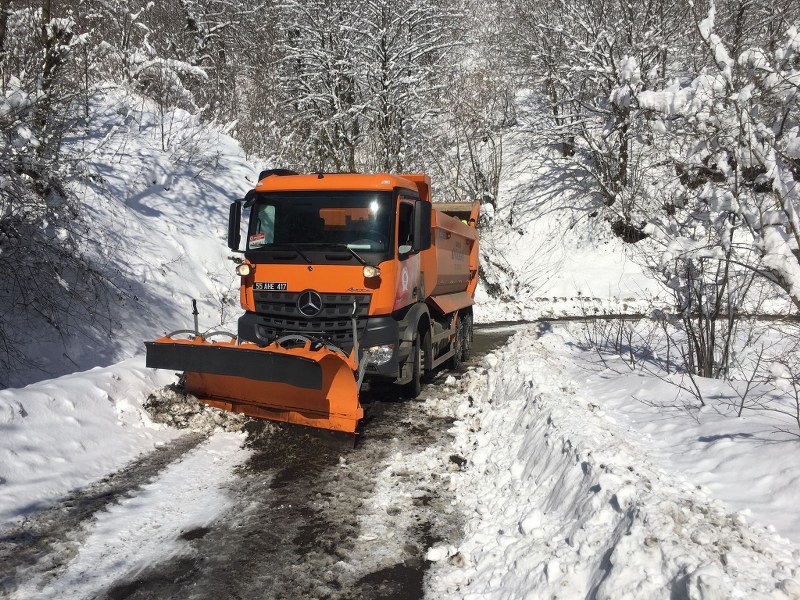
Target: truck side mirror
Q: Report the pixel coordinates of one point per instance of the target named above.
(234, 226)
(422, 225)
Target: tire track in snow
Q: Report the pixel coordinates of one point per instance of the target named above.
(295, 529)
(152, 526)
(46, 541)
(155, 524)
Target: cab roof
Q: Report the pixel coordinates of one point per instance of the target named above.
(348, 181)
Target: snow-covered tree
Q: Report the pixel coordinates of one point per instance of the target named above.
(358, 86)
(478, 98)
(723, 206)
(588, 59)
(320, 105)
(43, 271)
(403, 55)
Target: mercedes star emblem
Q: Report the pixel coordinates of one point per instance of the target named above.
(309, 303)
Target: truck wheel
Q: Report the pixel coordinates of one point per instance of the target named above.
(412, 389)
(458, 345)
(466, 346)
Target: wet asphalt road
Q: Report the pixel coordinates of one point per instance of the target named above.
(299, 505)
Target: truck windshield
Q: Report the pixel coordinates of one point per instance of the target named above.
(357, 220)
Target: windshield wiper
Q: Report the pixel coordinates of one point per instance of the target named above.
(283, 247)
(343, 247)
(321, 244)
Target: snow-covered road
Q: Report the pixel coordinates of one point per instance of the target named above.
(506, 481)
(143, 526)
(284, 513)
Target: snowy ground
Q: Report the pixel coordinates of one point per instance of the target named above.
(147, 527)
(536, 474)
(65, 433)
(564, 500)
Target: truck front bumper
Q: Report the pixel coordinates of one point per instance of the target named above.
(373, 331)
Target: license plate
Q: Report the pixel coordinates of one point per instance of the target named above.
(269, 286)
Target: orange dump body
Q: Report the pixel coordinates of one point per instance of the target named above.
(451, 264)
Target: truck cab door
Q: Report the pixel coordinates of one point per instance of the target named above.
(408, 288)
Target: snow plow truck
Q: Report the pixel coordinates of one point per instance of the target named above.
(343, 277)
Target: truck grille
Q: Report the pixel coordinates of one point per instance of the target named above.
(279, 315)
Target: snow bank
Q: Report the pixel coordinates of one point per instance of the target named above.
(751, 462)
(156, 188)
(65, 433)
(560, 505)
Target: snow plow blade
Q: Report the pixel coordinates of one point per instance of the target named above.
(310, 384)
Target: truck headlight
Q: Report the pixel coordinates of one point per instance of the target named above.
(380, 355)
(244, 270)
(370, 272)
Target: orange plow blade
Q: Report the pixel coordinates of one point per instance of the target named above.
(310, 385)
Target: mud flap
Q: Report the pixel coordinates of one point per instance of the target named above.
(309, 385)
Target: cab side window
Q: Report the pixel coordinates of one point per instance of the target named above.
(263, 227)
(405, 226)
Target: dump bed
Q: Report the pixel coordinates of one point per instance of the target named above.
(451, 265)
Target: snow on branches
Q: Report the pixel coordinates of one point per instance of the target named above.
(357, 82)
(732, 134)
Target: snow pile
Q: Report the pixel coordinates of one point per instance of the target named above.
(183, 411)
(65, 433)
(559, 504)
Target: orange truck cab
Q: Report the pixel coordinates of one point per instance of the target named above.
(343, 277)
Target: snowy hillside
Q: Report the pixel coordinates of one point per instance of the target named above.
(157, 189)
(541, 257)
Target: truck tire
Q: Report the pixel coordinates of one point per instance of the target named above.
(466, 346)
(458, 345)
(412, 389)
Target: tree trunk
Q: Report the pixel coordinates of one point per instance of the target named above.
(623, 151)
(4, 6)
